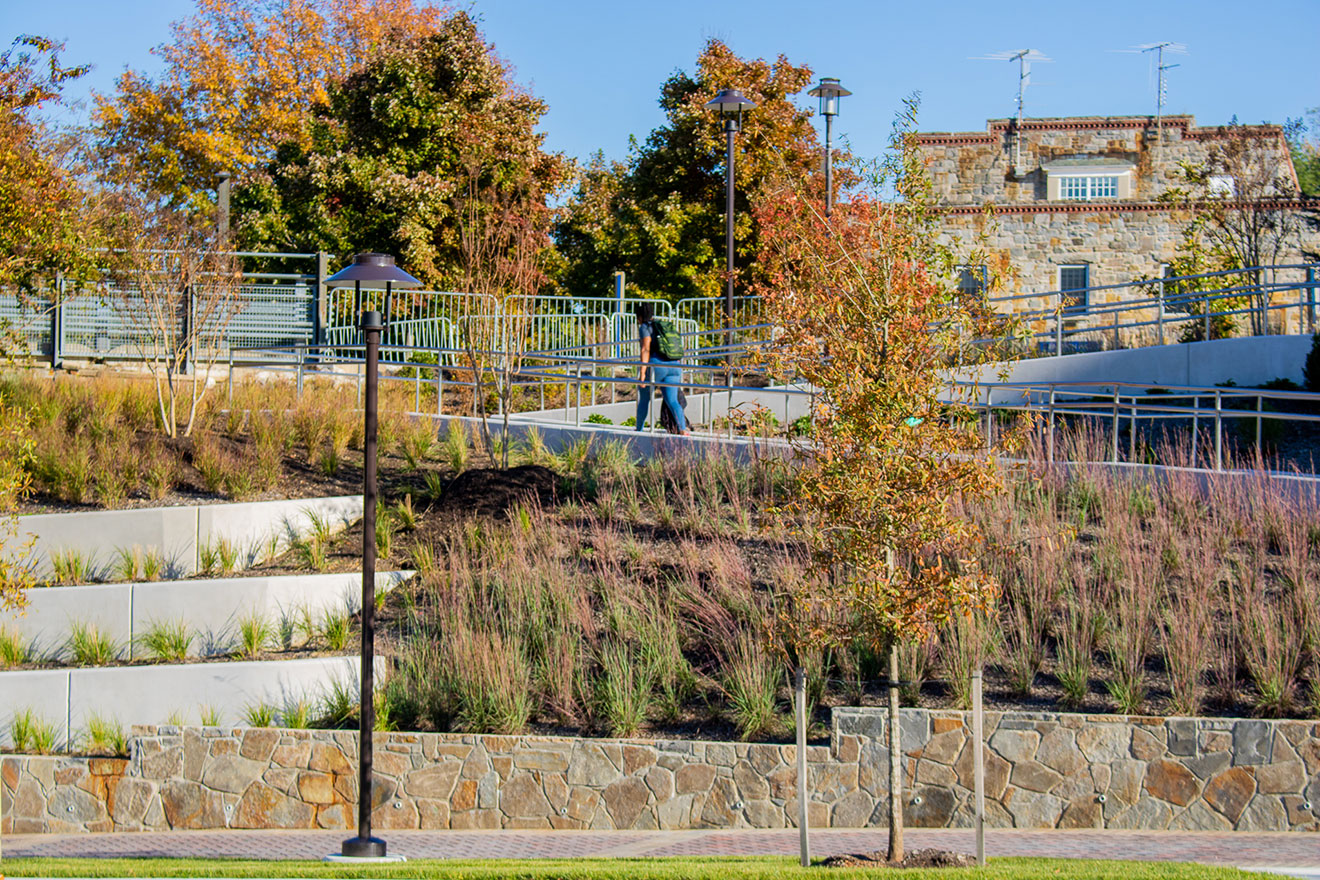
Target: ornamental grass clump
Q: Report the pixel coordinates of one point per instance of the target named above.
(167, 640)
(89, 646)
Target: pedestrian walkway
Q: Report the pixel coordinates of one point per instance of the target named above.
(1243, 849)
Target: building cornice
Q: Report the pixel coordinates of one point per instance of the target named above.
(997, 128)
(1119, 207)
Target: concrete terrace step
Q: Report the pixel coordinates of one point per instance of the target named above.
(179, 533)
(151, 694)
(211, 608)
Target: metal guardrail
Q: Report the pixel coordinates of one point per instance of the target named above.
(290, 309)
(1193, 406)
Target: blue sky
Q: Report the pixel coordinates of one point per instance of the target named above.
(599, 63)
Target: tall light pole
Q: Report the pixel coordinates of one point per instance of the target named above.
(730, 104)
(369, 270)
(830, 92)
(222, 207)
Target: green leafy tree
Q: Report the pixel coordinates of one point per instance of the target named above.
(1306, 151)
(659, 217)
(402, 154)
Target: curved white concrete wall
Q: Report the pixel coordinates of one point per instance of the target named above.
(178, 533)
(132, 695)
(1253, 360)
(212, 608)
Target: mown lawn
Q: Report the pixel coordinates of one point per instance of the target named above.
(729, 868)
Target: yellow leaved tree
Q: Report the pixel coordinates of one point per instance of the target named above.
(871, 317)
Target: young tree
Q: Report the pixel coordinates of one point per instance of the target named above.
(173, 282)
(241, 78)
(873, 320)
(660, 216)
(1242, 205)
(397, 154)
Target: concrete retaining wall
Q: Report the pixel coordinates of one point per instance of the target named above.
(1042, 770)
(130, 695)
(211, 608)
(178, 533)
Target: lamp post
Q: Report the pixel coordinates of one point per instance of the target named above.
(830, 92)
(730, 104)
(371, 271)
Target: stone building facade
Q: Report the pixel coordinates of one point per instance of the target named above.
(1042, 770)
(1076, 202)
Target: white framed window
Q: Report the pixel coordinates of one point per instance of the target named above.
(1074, 281)
(973, 278)
(1086, 187)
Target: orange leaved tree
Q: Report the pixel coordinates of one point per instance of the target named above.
(240, 78)
(870, 316)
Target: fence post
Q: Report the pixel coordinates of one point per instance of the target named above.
(1049, 440)
(321, 310)
(1196, 428)
(1259, 399)
(440, 385)
(1159, 316)
(1114, 445)
(978, 766)
(1058, 324)
(1219, 431)
(1116, 345)
(57, 324)
(1132, 431)
(1310, 298)
(1205, 310)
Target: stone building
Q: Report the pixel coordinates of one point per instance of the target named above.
(1076, 201)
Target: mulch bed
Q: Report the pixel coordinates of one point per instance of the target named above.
(921, 858)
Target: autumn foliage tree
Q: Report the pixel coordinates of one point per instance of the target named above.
(873, 320)
(240, 78)
(659, 217)
(44, 222)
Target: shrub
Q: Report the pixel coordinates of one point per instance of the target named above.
(208, 715)
(336, 630)
(598, 419)
(456, 450)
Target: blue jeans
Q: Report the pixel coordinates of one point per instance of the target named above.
(659, 374)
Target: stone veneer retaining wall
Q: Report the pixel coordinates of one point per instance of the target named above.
(1042, 770)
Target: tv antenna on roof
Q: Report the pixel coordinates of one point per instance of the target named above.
(1023, 57)
(1162, 86)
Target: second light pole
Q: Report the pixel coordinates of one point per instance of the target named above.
(829, 91)
(730, 103)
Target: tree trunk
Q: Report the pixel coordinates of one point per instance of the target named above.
(803, 789)
(895, 762)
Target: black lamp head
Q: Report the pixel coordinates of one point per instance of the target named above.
(372, 270)
(829, 91)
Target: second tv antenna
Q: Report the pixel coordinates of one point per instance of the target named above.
(1023, 57)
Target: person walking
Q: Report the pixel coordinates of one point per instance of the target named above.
(651, 333)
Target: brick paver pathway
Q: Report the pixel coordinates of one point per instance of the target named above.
(1244, 849)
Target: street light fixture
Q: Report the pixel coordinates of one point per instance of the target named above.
(730, 103)
(830, 92)
(371, 271)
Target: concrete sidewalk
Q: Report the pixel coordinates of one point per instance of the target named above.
(1243, 849)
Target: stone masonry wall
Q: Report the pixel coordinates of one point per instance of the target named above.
(1042, 770)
